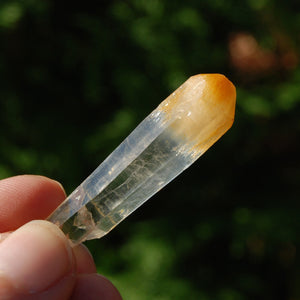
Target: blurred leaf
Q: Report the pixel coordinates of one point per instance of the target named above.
(10, 14)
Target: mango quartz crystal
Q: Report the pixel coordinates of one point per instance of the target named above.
(167, 142)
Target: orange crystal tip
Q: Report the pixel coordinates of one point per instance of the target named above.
(202, 108)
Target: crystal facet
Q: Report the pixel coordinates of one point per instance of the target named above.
(168, 141)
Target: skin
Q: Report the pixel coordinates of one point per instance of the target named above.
(36, 259)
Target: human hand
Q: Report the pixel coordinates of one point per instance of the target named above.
(36, 259)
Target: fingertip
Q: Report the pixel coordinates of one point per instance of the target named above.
(94, 287)
(84, 260)
(27, 197)
(35, 258)
(57, 185)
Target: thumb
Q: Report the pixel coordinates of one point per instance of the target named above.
(36, 262)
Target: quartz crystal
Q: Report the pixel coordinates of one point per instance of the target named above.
(168, 141)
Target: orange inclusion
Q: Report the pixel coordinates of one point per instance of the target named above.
(202, 109)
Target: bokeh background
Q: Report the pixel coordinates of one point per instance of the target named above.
(77, 76)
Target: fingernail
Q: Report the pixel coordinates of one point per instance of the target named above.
(35, 256)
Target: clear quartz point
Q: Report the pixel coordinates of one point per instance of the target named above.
(167, 142)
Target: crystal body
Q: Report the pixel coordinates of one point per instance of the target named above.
(168, 141)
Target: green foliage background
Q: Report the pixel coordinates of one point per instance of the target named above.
(77, 77)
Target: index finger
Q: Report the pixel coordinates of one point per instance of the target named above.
(27, 197)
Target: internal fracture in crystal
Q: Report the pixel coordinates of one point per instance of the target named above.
(167, 142)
